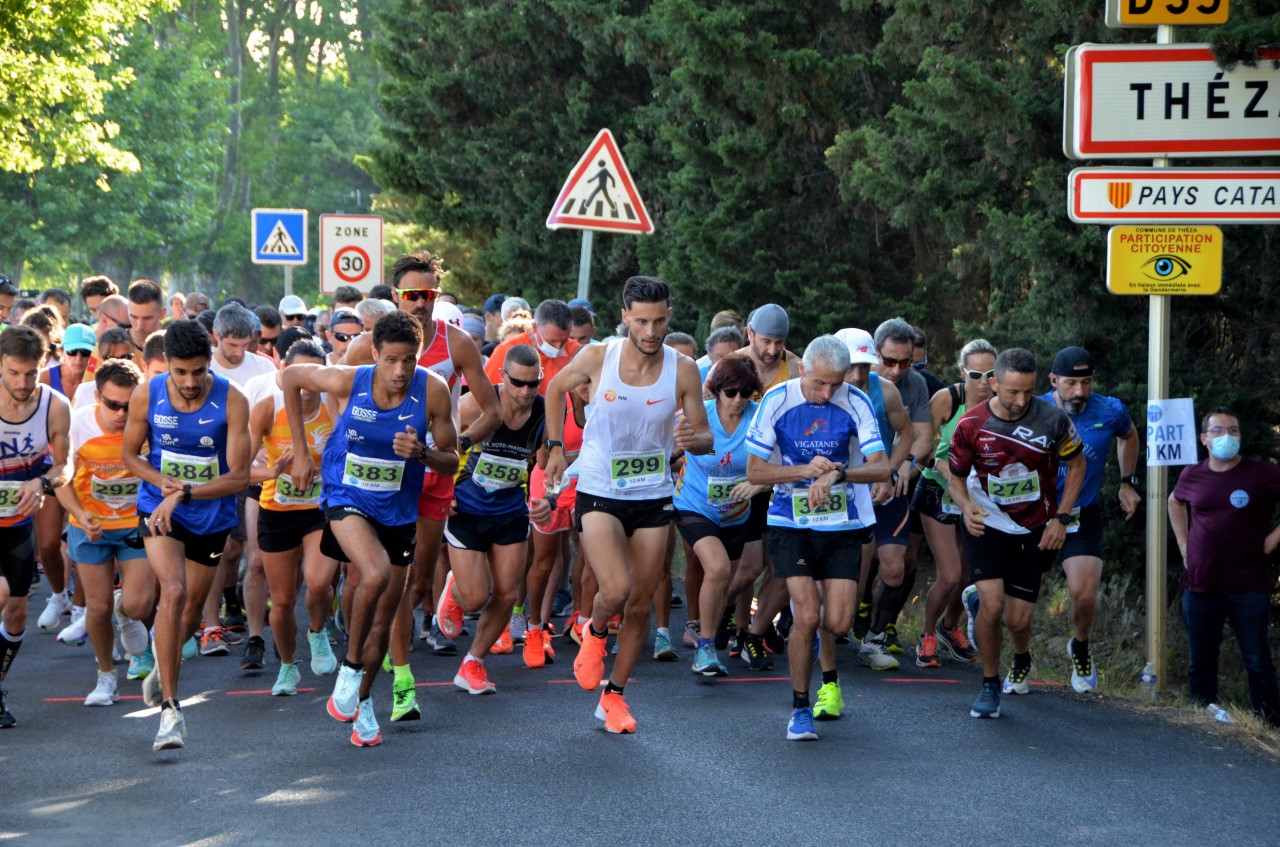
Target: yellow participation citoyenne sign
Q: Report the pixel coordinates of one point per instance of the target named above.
(1164, 260)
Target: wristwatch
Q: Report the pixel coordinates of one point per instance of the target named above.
(893, 476)
(186, 494)
(911, 459)
(1131, 480)
(464, 444)
(1063, 518)
(46, 485)
(551, 442)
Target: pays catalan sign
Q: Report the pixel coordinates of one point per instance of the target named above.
(1127, 13)
(1168, 100)
(1164, 260)
(1174, 195)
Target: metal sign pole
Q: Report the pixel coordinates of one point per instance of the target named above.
(288, 280)
(584, 265)
(1157, 477)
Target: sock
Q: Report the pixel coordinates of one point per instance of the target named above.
(358, 667)
(471, 658)
(598, 633)
(231, 600)
(612, 688)
(581, 618)
(665, 632)
(171, 704)
(403, 674)
(991, 680)
(829, 676)
(1022, 661)
(535, 627)
(9, 645)
(75, 608)
(517, 610)
(705, 642)
(207, 630)
(799, 699)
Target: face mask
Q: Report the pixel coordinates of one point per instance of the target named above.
(1225, 447)
(547, 350)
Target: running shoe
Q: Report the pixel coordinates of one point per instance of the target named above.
(927, 652)
(677, 602)
(969, 599)
(76, 632)
(152, 691)
(842, 639)
(333, 631)
(518, 627)
(735, 646)
(235, 622)
(141, 665)
(472, 678)
(707, 663)
(988, 703)
(286, 680)
(386, 663)
(104, 694)
(830, 702)
(549, 650)
(754, 655)
(1084, 675)
(774, 642)
(133, 634)
(956, 642)
(191, 648)
(692, 632)
(503, 645)
(323, 662)
(588, 667)
(439, 643)
(214, 642)
(662, 649)
(562, 603)
(891, 638)
(615, 624)
(54, 608)
(173, 730)
(254, 651)
(534, 651)
(424, 630)
(1016, 682)
(1218, 713)
(364, 730)
(873, 654)
(345, 700)
(862, 621)
(785, 622)
(449, 614)
(613, 710)
(404, 705)
(574, 629)
(7, 719)
(725, 630)
(800, 727)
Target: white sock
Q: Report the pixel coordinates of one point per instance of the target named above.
(582, 619)
(471, 658)
(535, 627)
(665, 632)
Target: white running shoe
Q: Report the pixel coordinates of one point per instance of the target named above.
(133, 634)
(105, 693)
(875, 655)
(323, 662)
(365, 732)
(344, 703)
(173, 731)
(519, 626)
(54, 608)
(152, 693)
(287, 680)
(76, 632)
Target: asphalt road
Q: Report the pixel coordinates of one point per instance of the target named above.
(531, 766)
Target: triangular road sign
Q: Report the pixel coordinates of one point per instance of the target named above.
(279, 243)
(600, 194)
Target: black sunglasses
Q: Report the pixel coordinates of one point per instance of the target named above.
(734, 393)
(523, 383)
(113, 406)
(85, 353)
(345, 337)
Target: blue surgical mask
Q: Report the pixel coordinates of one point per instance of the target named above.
(1225, 447)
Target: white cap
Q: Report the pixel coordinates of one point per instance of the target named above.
(447, 312)
(862, 348)
(292, 304)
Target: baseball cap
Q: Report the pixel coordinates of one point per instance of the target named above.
(770, 320)
(78, 337)
(494, 303)
(1073, 361)
(583, 302)
(862, 348)
(345, 316)
(292, 305)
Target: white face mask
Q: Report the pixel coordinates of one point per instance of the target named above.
(547, 350)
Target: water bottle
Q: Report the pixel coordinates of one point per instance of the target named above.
(1148, 680)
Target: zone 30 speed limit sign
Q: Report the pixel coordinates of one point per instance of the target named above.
(350, 252)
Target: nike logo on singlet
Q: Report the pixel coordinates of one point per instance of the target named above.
(404, 417)
(652, 402)
(203, 421)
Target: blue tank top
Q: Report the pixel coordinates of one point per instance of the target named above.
(55, 379)
(359, 468)
(876, 394)
(495, 474)
(190, 447)
(706, 482)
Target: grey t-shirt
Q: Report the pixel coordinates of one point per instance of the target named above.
(915, 397)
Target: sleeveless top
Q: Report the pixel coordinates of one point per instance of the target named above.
(495, 472)
(783, 374)
(630, 434)
(706, 482)
(24, 446)
(875, 392)
(191, 447)
(943, 450)
(438, 359)
(279, 495)
(359, 468)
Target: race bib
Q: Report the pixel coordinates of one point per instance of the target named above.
(497, 473)
(288, 495)
(115, 494)
(9, 497)
(196, 470)
(1012, 490)
(637, 470)
(835, 510)
(720, 490)
(373, 474)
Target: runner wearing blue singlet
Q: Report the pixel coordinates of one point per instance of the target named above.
(194, 427)
(371, 473)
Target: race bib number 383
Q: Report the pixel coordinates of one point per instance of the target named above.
(373, 474)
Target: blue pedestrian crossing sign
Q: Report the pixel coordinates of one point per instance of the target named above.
(279, 237)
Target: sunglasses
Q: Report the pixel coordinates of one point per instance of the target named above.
(295, 317)
(121, 324)
(734, 393)
(345, 337)
(523, 383)
(977, 375)
(413, 295)
(269, 339)
(896, 363)
(113, 406)
(85, 353)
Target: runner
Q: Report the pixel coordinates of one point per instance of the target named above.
(34, 423)
(1004, 466)
(291, 522)
(810, 437)
(713, 502)
(1098, 420)
(624, 479)
(488, 531)
(102, 502)
(194, 426)
(939, 514)
(372, 472)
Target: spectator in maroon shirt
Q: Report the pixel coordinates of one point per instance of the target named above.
(1221, 512)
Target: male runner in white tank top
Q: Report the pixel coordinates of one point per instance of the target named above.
(624, 476)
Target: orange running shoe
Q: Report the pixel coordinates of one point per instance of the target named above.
(588, 668)
(503, 645)
(615, 714)
(471, 678)
(214, 642)
(548, 650)
(574, 629)
(615, 623)
(534, 655)
(448, 612)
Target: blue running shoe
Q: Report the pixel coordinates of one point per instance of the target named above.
(988, 703)
(142, 664)
(707, 663)
(190, 649)
(970, 600)
(800, 727)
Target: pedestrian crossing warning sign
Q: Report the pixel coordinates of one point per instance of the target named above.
(600, 194)
(279, 237)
